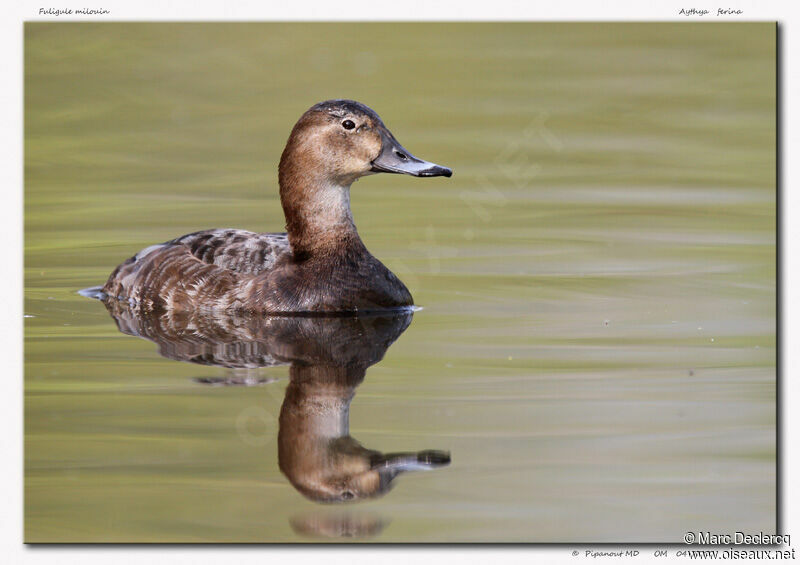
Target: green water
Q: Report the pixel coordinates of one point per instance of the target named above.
(597, 345)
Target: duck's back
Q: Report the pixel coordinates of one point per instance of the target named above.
(240, 251)
(196, 269)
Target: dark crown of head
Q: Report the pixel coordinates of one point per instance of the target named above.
(341, 108)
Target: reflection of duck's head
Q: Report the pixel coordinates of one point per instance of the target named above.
(315, 449)
(329, 357)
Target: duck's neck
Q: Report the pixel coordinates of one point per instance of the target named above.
(317, 209)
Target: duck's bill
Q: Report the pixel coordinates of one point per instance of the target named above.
(395, 159)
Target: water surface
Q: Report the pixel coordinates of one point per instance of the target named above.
(597, 345)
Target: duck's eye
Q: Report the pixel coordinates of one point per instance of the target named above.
(348, 124)
(347, 495)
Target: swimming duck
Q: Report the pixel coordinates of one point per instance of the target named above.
(320, 265)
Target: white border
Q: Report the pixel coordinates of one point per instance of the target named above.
(12, 549)
(407, 10)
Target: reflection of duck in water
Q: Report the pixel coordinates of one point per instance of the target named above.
(315, 449)
(329, 358)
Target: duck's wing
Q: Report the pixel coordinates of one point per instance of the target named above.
(196, 269)
(243, 252)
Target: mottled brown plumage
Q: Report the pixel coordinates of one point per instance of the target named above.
(320, 265)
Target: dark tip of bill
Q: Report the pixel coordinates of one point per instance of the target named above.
(437, 172)
(432, 457)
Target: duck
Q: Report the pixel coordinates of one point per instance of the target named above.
(319, 265)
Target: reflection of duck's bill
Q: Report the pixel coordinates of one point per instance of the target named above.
(394, 463)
